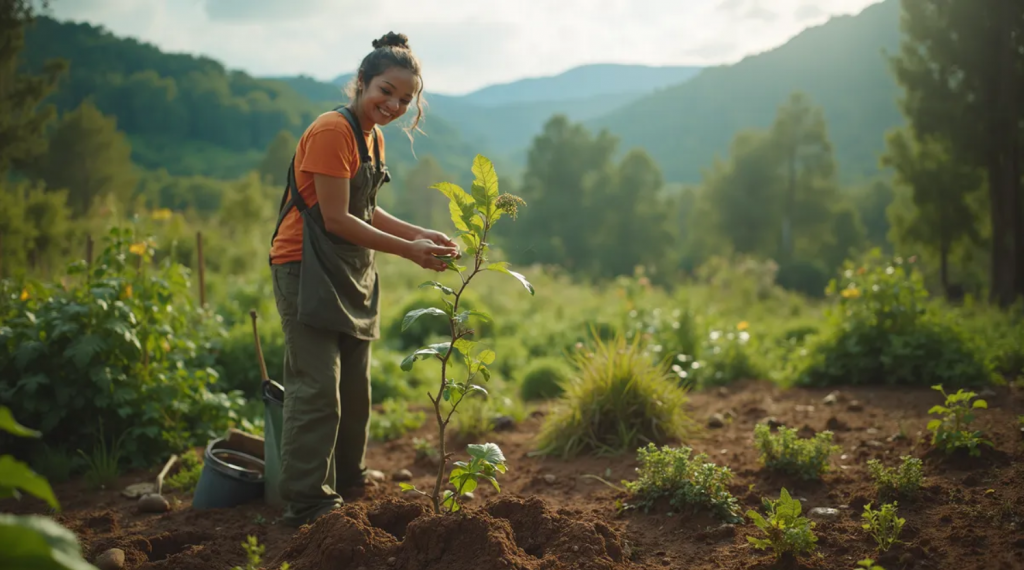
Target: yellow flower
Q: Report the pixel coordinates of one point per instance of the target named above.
(743, 325)
(851, 293)
(24, 294)
(162, 214)
(138, 248)
(128, 291)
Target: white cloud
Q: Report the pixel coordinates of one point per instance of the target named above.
(463, 44)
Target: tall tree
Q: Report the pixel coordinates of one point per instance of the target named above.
(273, 168)
(800, 138)
(961, 69)
(22, 117)
(939, 213)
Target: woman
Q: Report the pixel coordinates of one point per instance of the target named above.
(322, 260)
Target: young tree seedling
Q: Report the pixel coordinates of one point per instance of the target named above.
(474, 216)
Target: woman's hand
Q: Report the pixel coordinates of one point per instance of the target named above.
(439, 239)
(424, 253)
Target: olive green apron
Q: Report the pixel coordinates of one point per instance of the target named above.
(339, 289)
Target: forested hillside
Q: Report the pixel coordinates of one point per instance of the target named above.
(839, 64)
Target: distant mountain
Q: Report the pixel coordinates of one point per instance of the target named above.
(504, 118)
(839, 64)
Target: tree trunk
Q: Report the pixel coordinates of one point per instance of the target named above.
(1004, 177)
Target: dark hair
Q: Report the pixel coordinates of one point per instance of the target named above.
(391, 50)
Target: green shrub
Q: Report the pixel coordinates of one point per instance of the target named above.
(786, 452)
(723, 357)
(427, 329)
(785, 530)
(187, 476)
(236, 362)
(394, 421)
(689, 483)
(807, 277)
(903, 481)
(617, 400)
(882, 330)
(950, 433)
(123, 342)
(884, 526)
(544, 379)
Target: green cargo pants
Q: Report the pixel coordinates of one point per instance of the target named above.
(326, 408)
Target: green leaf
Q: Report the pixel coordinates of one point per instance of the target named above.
(465, 346)
(467, 484)
(11, 425)
(486, 356)
(475, 388)
(489, 452)
(411, 316)
(494, 482)
(934, 425)
(407, 487)
(39, 543)
(980, 404)
(16, 475)
(464, 316)
(461, 207)
(502, 266)
(83, 349)
(485, 187)
(437, 350)
(438, 286)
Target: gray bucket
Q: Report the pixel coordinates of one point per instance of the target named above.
(273, 407)
(229, 478)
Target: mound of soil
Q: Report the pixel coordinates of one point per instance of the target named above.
(509, 533)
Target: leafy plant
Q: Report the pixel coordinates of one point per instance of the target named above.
(950, 432)
(619, 399)
(785, 529)
(787, 452)
(883, 525)
(32, 541)
(883, 329)
(544, 379)
(902, 481)
(474, 215)
(254, 554)
(187, 476)
(690, 483)
(868, 564)
(117, 340)
(395, 421)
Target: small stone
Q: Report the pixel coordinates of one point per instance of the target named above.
(716, 421)
(835, 424)
(138, 489)
(392, 561)
(575, 548)
(824, 513)
(503, 423)
(153, 503)
(802, 408)
(871, 431)
(874, 444)
(987, 393)
(375, 475)
(855, 406)
(549, 479)
(467, 496)
(831, 399)
(112, 559)
(402, 475)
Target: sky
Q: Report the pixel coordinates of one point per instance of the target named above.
(463, 44)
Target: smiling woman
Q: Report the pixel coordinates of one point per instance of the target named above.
(324, 272)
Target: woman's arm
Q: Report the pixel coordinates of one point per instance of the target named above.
(385, 222)
(333, 195)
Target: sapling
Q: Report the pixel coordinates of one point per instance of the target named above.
(474, 216)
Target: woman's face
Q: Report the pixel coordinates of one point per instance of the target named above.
(388, 96)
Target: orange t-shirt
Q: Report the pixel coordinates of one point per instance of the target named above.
(327, 147)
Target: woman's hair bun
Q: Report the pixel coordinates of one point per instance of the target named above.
(392, 39)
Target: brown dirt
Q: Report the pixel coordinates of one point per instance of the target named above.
(970, 514)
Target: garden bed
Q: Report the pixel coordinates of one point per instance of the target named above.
(554, 514)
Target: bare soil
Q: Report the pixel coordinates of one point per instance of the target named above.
(554, 514)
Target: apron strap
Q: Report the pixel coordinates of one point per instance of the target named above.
(291, 197)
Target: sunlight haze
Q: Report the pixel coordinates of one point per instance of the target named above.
(463, 45)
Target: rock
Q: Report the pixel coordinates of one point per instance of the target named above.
(874, 444)
(550, 479)
(824, 513)
(392, 561)
(835, 424)
(832, 399)
(802, 408)
(153, 503)
(716, 421)
(503, 423)
(731, 415)
(771, 422)
(987, 393)
(402, 475)
(112, 559)
(871, 431)
(375, 476)
(138, 489)
(468, 496)
(855, 406)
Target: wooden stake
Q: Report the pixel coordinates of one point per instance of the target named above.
(202, 276)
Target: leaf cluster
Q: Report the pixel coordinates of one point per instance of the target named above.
(902, 481)
(785, 529)
(787, 452)
(950, 432)
(690, 483)
(883, 525)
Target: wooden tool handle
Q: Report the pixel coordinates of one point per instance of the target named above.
(259, 349)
